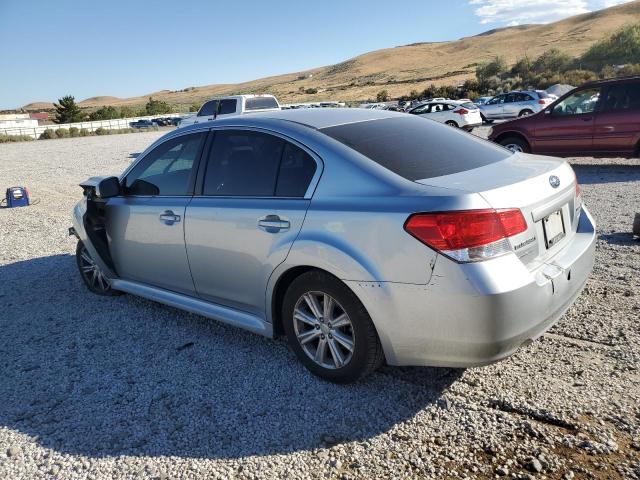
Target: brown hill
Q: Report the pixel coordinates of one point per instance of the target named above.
(401, 69)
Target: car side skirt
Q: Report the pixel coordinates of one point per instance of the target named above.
(224, 314)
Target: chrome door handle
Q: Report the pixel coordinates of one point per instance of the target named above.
(273, 223)
(169, 218)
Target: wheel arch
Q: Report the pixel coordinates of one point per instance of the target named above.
(512, 133)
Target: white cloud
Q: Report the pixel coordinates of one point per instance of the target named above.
(517, 12)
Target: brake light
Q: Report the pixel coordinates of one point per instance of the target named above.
(467, 235)
(542, 102)
(462, 111)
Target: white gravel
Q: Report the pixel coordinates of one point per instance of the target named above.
(121, 387)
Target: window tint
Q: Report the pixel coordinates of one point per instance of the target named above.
(227, 105)
(623, 97)
(208, 109)
(260, 103)
(421, 109)
(428, 149)
(523, 97)
(296, 171)
(582, 101)
(243, 163)
(166, 170)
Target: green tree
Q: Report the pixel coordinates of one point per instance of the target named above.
(105, 113)
(67, 110)
(485, 71)
(155, 107)
(382, 96)
(194, 107)
(553, 61)
(622, 47)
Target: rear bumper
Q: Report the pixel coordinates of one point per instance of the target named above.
(476, 314)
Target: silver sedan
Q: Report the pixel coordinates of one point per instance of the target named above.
(364, 236)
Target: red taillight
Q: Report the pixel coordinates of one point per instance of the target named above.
(462, 111)
(465, 229)
(542, 102)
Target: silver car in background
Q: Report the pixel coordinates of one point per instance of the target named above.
(450, 251)
(516, 104)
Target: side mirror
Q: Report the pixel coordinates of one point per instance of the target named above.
(108, 187)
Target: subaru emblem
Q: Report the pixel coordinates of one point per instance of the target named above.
(554, 181)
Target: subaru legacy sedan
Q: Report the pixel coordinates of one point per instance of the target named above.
(451, 251)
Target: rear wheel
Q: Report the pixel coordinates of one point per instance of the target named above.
(451, 123)
(91, 274)
(515, 144)
(329, 329)
(525, 113)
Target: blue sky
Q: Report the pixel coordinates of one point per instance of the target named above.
(126, 48)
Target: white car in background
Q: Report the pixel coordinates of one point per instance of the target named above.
(221, 107)
(454, 113)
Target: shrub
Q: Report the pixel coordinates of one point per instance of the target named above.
(84, 132)
(311, 91)
(382, 96)
(62, 133)
(14, 138)
(101, 131)
(623, 46)
(74, 131)
(48, 134)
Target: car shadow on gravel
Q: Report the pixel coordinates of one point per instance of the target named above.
(109, 376)
(607, 173)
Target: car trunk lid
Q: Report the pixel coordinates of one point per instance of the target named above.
(543, 188)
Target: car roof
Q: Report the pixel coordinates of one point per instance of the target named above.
(316, 118)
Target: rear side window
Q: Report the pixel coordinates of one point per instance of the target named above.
(296, 171)
(254, 164)
(623, 97)
(227, 105)
(416, 148)
(260, 103)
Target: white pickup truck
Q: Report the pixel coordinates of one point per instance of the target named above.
(232, 105)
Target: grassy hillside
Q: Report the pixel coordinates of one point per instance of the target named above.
(401, 69)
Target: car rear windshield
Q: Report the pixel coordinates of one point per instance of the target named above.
(417, 148)
(543, 94)
(260, 103)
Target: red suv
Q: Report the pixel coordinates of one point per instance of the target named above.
(599, 118)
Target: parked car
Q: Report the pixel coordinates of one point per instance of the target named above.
(516, 104)
(596, 119)
(454, 113)
(230, 106)
(449, 251)
(141, 124)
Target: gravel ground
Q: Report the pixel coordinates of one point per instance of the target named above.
(121, 387)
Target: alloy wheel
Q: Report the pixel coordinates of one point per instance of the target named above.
(514, 148)
(92, 273)
(323, 330)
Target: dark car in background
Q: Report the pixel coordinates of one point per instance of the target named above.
(141, 124)
(600, 118)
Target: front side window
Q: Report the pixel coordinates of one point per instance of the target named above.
(578, 103)
(623, 97)
(167, 169)
(496, 100)
(208, 109)
(421, 109)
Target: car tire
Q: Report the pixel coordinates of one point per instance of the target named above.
(451, 123)
(515, 144)
(525, 113)
(91, 275)
(312, 302)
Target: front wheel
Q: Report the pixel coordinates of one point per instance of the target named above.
(515, 144)
(91, 274)
(329, 329)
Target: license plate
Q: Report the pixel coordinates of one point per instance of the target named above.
(553, 226)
